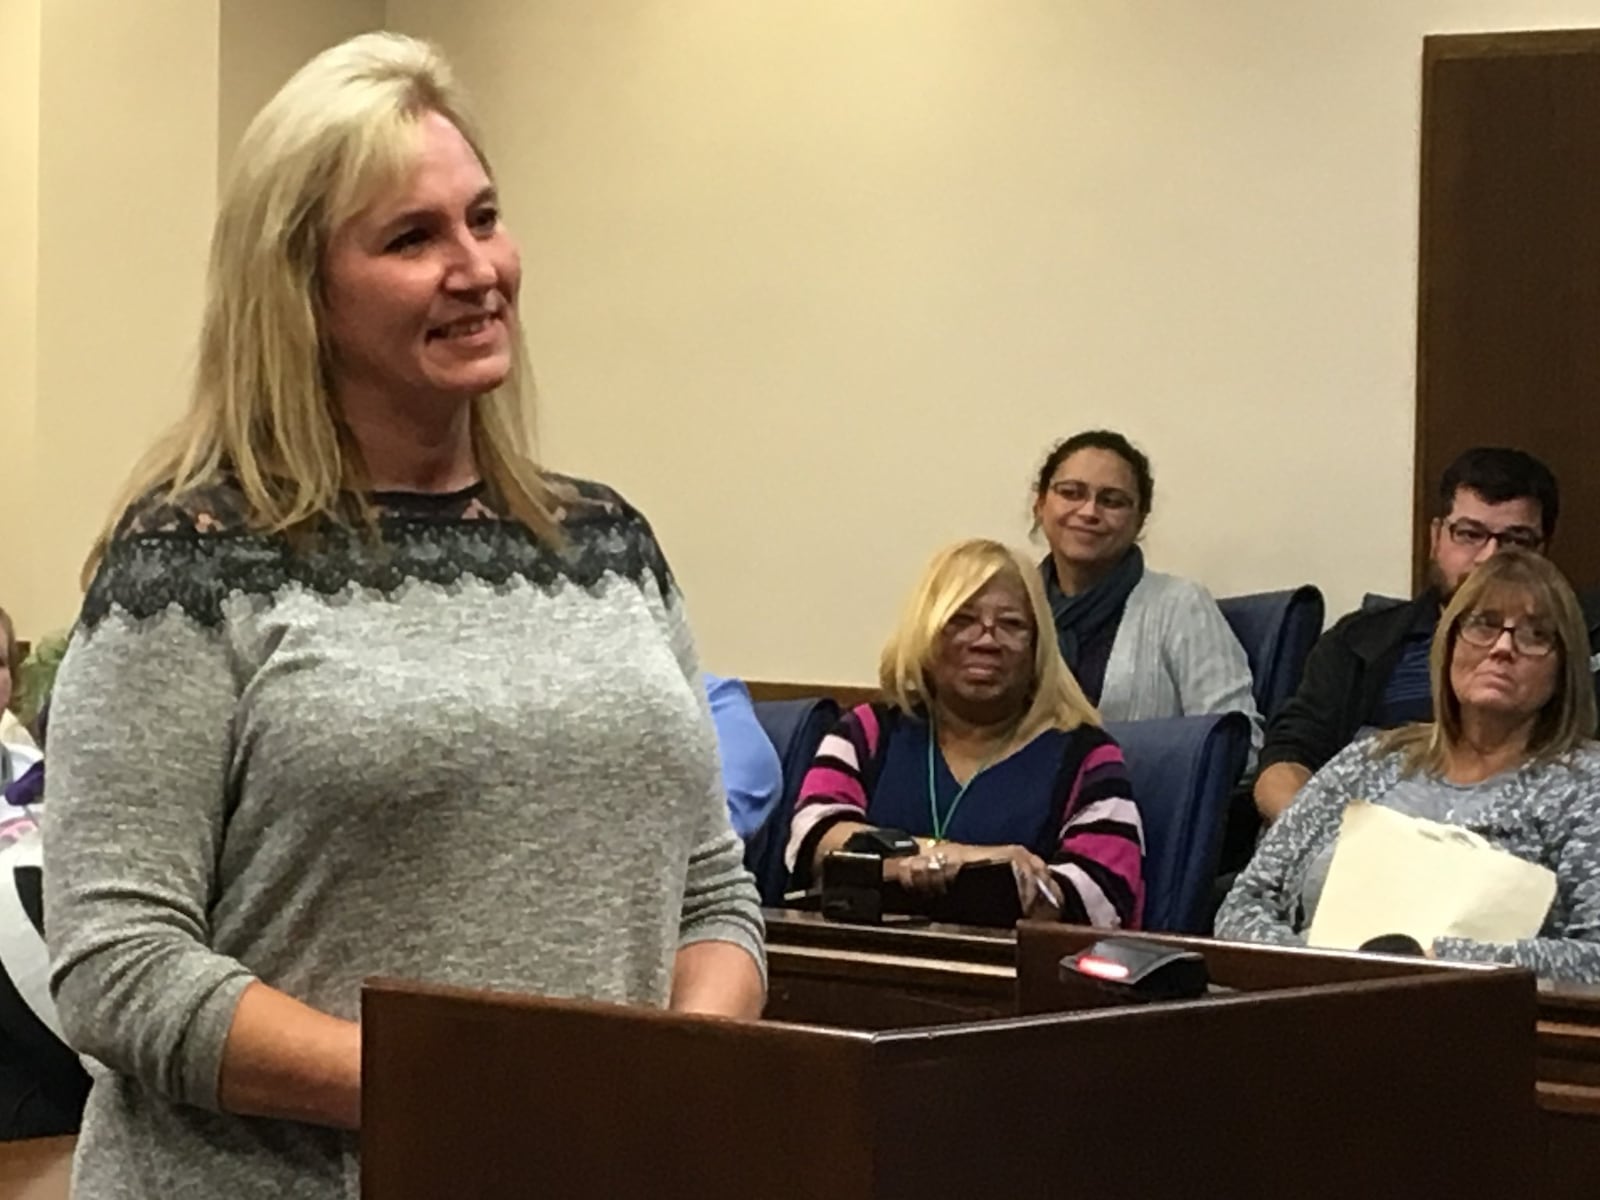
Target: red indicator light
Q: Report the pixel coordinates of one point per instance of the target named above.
(1102, 968)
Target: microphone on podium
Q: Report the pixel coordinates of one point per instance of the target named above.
(1134, 971)
(1392, 943)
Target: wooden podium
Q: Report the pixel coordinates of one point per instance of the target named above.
(1419, 1084)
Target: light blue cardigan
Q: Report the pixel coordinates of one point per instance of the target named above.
(1175, 656)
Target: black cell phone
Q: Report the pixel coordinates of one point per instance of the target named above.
(885, 843)
(982, 893)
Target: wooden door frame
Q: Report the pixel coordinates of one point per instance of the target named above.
(1437, 50)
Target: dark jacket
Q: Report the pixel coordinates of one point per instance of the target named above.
(1343, 683)
(1345, 676)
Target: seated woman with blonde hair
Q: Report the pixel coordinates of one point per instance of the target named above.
(983, 748)
(1507, 755)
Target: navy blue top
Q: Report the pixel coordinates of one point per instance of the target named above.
(1408, 695)
(1013, 802)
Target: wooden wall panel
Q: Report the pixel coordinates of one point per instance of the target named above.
(1508, 341)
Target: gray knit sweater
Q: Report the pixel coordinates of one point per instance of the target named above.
(1544, 812)
(451, 754)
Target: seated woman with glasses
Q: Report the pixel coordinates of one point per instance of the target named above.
(1141, 644)
(1508, 755)
(1370, 670)
(983, 748)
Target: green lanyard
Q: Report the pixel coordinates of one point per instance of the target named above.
(939, 827)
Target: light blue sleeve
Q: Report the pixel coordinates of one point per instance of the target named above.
(751, 772)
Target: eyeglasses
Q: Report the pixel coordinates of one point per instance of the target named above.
(1012, 632)
(1471, 534)
(1483, 629)
(1075, 491)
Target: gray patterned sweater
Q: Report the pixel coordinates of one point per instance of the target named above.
(1546, 813)
(452, 754)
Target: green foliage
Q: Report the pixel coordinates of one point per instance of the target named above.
(37, 675)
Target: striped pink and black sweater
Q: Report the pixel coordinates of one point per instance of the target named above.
(1065, 795)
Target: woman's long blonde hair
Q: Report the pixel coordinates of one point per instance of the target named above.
(342, 130)
(1511, 580)
(954, 576)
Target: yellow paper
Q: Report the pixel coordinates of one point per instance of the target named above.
(1393, 873)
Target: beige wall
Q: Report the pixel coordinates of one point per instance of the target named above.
(19, 288)
(117, 120)
(127, 170)
(817, 281)
(263, 44)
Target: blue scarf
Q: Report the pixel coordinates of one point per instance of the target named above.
(1086, 624)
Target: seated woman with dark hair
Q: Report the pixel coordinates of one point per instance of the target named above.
(1507, 755)
(983, 748)
(1141, 644)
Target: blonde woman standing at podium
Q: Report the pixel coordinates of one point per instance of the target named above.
(357, 689)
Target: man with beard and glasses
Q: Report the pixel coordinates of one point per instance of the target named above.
(1370, 671)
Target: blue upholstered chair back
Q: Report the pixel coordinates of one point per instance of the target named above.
(795, 727)
(1277, 631)
(1183, 771)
